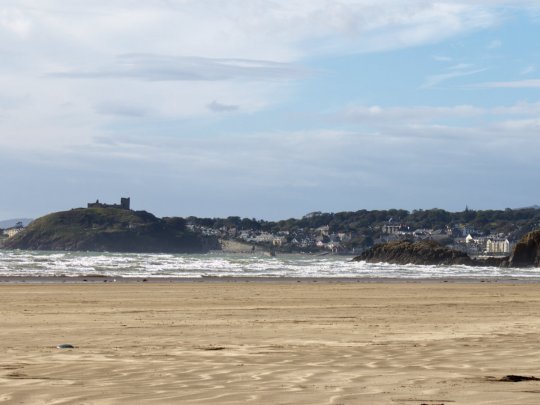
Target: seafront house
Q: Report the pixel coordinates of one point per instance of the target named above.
(490, 245)
(496, 245)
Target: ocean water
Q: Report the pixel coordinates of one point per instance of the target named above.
(26, 263)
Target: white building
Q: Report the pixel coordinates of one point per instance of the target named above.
(264, 237)
(279, 241)
(391, 229)
(497, 246)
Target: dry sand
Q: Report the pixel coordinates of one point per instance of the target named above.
(269, 343)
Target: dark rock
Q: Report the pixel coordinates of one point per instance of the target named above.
(491, 261)
(518, 378)
(527, 251)
(425, 252)
(65, 346)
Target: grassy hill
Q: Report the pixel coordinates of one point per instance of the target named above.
(109, 229)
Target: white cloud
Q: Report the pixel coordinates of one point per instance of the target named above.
(528, 70)
(107, 86)
(66, 116)
(15, 22)
(376, 26)
(412, 156)
(410, 115)
(82, 65)
(374, 130)
(519, 127)
(396, 161)
(216, 106)
(122, 109)
(442, 58)
(521, 108)
(461, 66)
(398, 114)
(516, 84)
(151, 67)
(434, 80)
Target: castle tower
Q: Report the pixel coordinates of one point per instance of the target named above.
(124, 203)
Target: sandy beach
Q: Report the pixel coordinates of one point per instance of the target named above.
(282, 342)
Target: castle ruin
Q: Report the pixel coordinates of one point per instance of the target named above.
(124, 204)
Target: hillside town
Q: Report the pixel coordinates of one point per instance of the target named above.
(322, 238)
(478, 233)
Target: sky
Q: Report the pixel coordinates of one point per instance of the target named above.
(268, 109)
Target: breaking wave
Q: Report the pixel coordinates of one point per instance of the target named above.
(26, 263)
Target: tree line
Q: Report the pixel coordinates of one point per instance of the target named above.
(515, 222)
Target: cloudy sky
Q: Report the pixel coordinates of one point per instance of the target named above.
(269, 108)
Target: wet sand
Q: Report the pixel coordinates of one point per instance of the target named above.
(278, 342)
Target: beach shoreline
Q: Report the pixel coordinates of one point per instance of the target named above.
(97, 279)
(269, 342)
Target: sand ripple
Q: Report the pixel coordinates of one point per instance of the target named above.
(267, 344)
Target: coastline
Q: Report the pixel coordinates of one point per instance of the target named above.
(99, 279)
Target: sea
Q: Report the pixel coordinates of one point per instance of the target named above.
(219, 264)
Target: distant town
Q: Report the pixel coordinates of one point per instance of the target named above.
(353, 232)
(478, 233)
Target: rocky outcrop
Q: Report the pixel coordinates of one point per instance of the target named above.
(408, 252)
(527, 251)
(111, 230)
(423, 252)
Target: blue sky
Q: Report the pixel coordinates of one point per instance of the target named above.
(268, 109)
